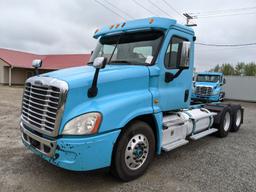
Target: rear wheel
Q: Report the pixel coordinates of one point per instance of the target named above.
(133, 151)
(237, 119)
(225, 123)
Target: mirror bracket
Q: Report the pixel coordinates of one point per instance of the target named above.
(98, 63)
(37, 63)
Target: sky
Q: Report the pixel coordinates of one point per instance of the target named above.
(67, 26)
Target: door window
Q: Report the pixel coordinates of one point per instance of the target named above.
(174, 52)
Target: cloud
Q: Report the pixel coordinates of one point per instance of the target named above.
(64, 26)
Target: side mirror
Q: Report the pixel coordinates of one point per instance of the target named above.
(184, 56)
(37, 63)
(100, 62)
(224, 81)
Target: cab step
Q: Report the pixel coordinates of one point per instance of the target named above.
(203, 134)
(171, 146)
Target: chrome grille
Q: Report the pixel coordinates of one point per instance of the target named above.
(203, 90)
(43, 103)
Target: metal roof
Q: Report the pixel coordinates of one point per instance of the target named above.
(21, 59)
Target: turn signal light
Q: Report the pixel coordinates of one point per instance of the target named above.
(151, 20)
(96, 31)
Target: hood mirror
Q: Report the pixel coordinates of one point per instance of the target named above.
(37, 63)
(100, 62)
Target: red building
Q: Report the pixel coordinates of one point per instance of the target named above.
(16, 66)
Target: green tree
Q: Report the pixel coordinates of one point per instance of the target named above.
(250, 69)
(239, 69)
(227, 69)
(217, 68)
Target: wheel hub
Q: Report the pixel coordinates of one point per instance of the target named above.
(136, 152)
(238, 117)
(227, 121)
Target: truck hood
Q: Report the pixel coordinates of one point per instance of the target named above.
(83, 76)
(121, 87)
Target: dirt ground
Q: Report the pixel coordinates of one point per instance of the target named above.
(209, 164)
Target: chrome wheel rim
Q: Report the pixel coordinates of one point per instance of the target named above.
(238, 117)
(136, 152)
(227, 120)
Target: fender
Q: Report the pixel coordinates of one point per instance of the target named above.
(117, 114)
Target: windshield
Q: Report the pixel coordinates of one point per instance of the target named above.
(132, 48)
(207, 78)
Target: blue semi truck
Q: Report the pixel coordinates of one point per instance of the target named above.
(129, 103)
(208, 86)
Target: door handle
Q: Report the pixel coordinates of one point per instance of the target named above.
(186, 94)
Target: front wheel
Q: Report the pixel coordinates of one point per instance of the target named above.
(133, 151)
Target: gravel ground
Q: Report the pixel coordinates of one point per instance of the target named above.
(210, 164)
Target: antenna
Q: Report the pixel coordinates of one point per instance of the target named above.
(190, 19)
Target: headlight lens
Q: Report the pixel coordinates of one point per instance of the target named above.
(83, 125)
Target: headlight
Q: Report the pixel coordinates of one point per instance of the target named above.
(83, 124)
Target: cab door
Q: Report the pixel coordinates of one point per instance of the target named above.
(176, 64)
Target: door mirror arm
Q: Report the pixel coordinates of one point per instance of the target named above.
(170, 76)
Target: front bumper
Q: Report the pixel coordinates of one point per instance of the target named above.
(206, 98)
(81, 153)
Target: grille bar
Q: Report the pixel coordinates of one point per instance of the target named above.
(204, 90)
(43, 104)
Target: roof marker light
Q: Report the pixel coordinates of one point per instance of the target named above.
(96, 31)
(111, 26)
(117, 25)
(151, 20)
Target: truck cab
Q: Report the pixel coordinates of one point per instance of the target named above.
(208, 86)
(130, 102)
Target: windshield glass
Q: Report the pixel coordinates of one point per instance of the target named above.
(132, 48)
(208, 78)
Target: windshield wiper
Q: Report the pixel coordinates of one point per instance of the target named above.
(121, 61)
(117, 42)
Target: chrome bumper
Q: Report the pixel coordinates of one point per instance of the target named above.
(42, 145)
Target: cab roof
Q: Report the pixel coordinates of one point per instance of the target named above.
(140, 24)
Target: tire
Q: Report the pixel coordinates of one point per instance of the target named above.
(237, 119)
(225, 122)
(133, 151)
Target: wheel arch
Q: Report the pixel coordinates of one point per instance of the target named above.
(154, 121)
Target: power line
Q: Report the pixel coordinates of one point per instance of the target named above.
(108, 8)
(159, 8)
(224, 10)
(226, 45)
(171, 7)
(148, 10)
(225, 15)
(119, 9)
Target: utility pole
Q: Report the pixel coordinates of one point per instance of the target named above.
(188, 20)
